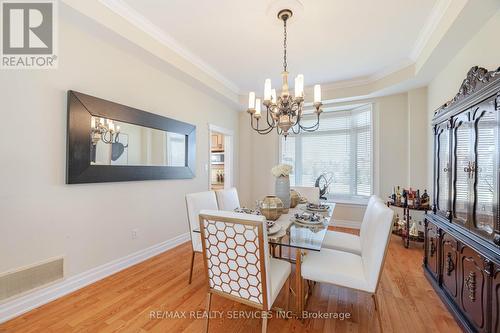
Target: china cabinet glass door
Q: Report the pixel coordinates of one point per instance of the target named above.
(485, 169)
(443, 169)
(462, 164)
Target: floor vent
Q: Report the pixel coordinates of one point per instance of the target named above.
(27, 278)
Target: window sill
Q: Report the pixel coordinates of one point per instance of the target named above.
(349, 202)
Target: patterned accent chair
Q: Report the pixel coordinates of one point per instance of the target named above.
(237, 261)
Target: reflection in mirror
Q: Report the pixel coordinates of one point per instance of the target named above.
(119, 143)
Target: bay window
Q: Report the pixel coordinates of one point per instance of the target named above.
(341, 149)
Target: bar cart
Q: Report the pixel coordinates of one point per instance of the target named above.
(405, 232)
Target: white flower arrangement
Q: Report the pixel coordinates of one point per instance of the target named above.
(281, 170)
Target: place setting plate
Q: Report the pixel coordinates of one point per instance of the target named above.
(272, 228)
(308, 219)
(245, 210)
(322, 208)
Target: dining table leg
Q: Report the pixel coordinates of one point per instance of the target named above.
(299, 283)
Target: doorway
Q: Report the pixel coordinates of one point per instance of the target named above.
(220, 158)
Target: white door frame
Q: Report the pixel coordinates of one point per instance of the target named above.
(228, 154)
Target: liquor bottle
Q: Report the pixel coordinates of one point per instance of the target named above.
(409, 199)
(395, 222)
(425, 200)
(398, 197)
(417, 199)
(393, 196)
(405, 198)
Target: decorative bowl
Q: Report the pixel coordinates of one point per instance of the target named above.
(271, 207)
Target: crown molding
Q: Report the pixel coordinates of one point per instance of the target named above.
(436, 15)
(121, 8)
(124, 10)
(406, 73)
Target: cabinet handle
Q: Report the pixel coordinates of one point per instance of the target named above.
(432, 248)
(467, 169)
(472, 169)
(450, 266)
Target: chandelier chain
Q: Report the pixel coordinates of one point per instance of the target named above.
(284, 46)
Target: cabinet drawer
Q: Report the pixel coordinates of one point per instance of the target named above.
(431, 248)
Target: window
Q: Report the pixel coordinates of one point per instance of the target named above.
(341, 148)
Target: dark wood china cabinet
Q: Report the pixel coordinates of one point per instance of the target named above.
(462, 235)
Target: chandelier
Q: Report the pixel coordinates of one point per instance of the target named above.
(283, 112)
(104, 130)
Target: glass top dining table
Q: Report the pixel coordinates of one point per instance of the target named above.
(297, 235)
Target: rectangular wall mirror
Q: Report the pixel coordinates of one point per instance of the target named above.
(112, 142)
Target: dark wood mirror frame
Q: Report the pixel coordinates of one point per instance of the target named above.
(82, 107)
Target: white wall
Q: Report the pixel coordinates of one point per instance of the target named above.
(482, 50)
(41, 216)
(399, 122)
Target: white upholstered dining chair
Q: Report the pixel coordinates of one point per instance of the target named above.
(358, 272)
(343, 241)
(310, 193)
(237, 261)
(227, 199)
(195, 202)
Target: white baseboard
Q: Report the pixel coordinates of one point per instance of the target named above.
(18, 305)
(346, 224)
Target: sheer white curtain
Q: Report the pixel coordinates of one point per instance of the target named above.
(342, 146)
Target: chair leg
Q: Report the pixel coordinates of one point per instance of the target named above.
(299, 282)
(209, 301)
(287, 294)
(191, 269)
(310, 286)
(377, 309)
(264, 324)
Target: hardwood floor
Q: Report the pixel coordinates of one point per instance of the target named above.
(123, 302)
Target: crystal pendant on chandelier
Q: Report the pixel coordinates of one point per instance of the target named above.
(283, 112)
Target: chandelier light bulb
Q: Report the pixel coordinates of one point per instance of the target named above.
(251, 100)
(300, 78)
(317, 93)
(92, 122)
(257, 107)
(267, 90)
(273, 96)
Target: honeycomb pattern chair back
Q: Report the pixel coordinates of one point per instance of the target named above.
(236, 256)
